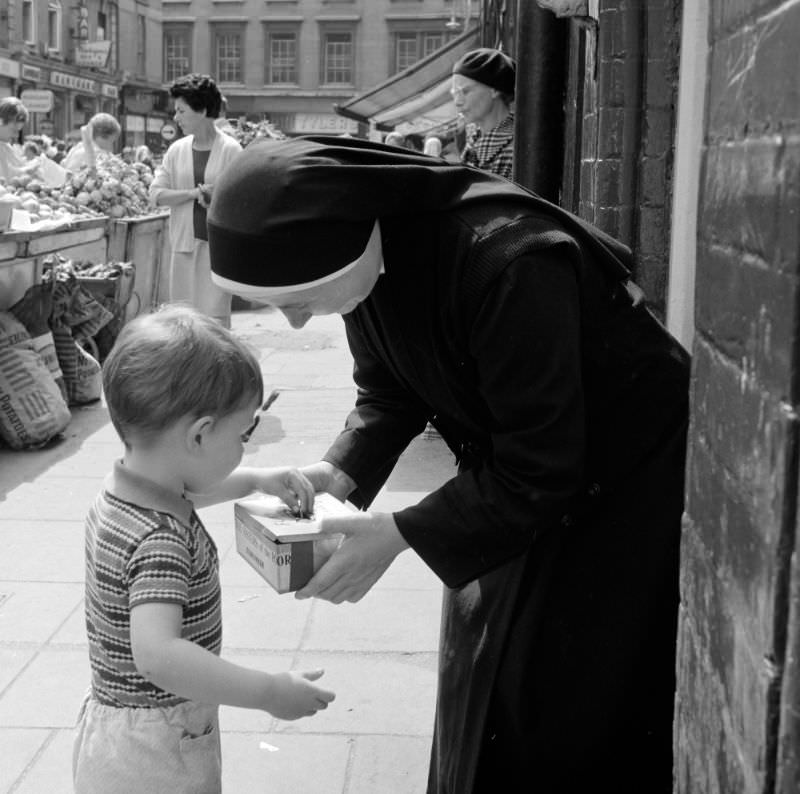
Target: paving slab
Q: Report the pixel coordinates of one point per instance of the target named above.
(59, 555)
(34, 611)
(381, 694)
(380, 655)
(14, 658)
(52, 771)
(18, 748)
(48, 692)
(391, 764)
(281, 764)
(52, 498)
(258, 617)
(384, 620)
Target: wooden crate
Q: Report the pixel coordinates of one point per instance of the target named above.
(117, 287)
(140, 241)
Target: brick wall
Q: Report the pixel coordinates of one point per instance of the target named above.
(737, 707)
(629, 99)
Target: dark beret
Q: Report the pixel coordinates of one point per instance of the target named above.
(490, 67)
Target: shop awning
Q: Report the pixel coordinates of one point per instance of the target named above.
(416, 99)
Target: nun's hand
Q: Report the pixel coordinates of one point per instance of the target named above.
(369, 543)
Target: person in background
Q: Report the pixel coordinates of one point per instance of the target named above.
(98, 137)
(432, 146)
(222, 123)
(483, 90)
(60, 151)
(13, 118)
(512, 327)
(30, 150)
(143, 155)
(184, 182)
(395, 139)
(182, 393)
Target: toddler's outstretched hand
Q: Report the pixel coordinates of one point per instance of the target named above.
(294, 695)
(290, 485)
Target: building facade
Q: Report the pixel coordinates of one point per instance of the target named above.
(68, 62)
(290, 61)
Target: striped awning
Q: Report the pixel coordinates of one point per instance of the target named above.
(418, 98)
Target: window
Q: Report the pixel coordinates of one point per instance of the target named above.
(177, 52)
(338, 58)
(28, 22)
(411, 46)
(405, 50)
(431, 41)
(281, 65)
(54, 25)
(228, 56)
(141, 44)
(112, 20)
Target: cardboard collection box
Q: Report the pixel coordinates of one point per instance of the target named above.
(286, 551)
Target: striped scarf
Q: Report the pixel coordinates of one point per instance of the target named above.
(493, 151)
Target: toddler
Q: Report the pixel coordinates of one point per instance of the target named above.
(182, 393)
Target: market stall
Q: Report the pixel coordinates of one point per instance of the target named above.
(77, 261)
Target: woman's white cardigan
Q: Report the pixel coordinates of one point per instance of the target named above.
(176, 172)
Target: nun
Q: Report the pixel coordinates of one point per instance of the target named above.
(514, 329)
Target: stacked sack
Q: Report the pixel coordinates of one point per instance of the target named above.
(44, 367)
(32, 408)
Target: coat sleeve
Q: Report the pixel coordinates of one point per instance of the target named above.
(525, 343)
(164, 176)
(385, 419)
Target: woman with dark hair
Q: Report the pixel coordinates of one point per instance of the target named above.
(185, 182)
(513, 328)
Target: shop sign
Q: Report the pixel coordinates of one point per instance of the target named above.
(32, 73)
(109, 90)
(134, 123)
(323, 122)
(168, 131)
(37, 100)
(93, 53)
(9, 68)
(64, 80)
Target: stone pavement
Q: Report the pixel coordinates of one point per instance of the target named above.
(379, 655)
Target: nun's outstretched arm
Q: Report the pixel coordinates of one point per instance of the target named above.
(369, 545)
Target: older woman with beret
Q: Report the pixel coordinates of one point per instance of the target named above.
(184, 182)
(483, 89)
(509, 325)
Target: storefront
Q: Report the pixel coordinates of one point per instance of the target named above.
(9, 74)
(46, 118)
(108, 99)
(80, 97)
(415, 101)
(145, 109)
(313, 124)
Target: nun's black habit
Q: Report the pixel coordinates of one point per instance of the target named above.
(505, 322)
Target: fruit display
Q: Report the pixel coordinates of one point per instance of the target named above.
(29, 194)
(113, 188)
(247, 131)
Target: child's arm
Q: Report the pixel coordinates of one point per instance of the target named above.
(289, 484)
(189, 671)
